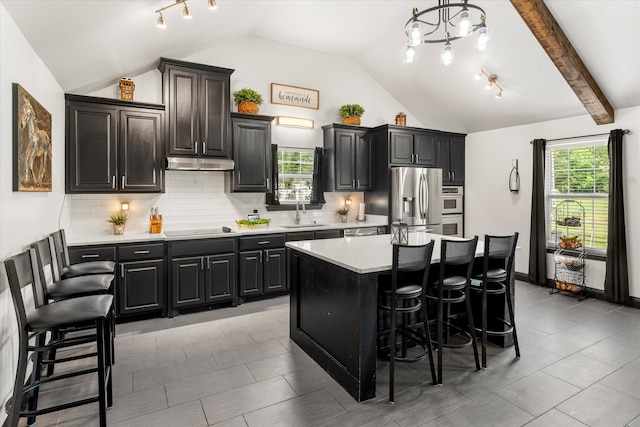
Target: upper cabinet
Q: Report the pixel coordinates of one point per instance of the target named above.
(348, 158)
(450, 158)
(198, 101)
(251, 153)
(412, 147)
(113, 146)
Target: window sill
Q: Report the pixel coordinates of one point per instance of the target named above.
(588, 255)
(291, 207)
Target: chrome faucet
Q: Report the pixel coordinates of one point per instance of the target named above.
(304, 210)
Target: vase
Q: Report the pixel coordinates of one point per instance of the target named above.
(249, 107)
(351, 120)
(344, 218)
(118, 228)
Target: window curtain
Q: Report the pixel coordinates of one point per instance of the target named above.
(272, 197)
(317, 195)
(538, 235)
(616, 282)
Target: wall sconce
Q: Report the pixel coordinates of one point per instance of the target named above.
(514, 177)
(124, 206)
(348, 202)
(294, 122)
(492, 80)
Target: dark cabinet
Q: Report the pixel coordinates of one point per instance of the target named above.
(328, 234)
(450, 158)
(348, 158)
(202, 272)
(262, 264)
(198, 101)
(113, 146)
(412, 148)
(314, 235)
(251, 153)
(141, 281)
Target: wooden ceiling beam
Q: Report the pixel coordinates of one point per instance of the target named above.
(554, 41)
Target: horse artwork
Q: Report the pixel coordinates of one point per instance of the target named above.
(32, 143)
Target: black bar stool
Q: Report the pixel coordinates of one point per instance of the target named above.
(410, 270)
(499, 254)
(452, 287)
(67, 270)
(34, 324)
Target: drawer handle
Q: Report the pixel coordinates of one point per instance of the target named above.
(141, 252)
(90, 256)
(264, 242)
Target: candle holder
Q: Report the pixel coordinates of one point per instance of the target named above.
(399, 232)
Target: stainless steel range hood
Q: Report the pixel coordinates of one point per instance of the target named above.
(199, 164)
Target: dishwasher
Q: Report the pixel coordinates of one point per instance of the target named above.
(363, 231)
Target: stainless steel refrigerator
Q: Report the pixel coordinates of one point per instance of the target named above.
(416, 197)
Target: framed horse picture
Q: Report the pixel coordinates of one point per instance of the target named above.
(31, 143)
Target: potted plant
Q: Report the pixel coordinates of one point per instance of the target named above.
(247, 100)
(118, 220)
(344, 214)
(351, 114)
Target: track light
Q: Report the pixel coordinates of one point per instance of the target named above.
(186, 12)
(492, 80)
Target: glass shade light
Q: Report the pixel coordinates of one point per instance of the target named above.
(161, 23)
(186, 13)
(416, 34)
(409, 54)
(446, 57)
(499, 95)
(483, 38)
(464, 23)
(124, 206)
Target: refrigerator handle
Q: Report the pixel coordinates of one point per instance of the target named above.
(421, 196)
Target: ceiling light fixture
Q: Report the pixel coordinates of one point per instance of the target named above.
(492, 80)
(186, 12)
(446, 23)
(295, 122)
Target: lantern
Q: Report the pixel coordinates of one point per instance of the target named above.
(399, 232)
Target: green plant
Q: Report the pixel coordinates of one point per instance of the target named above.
(247, 94)
(118, 219)
(343, 211)
(349, 110)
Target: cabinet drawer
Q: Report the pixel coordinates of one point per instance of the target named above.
(202, 247)
(92, 253)
(142, 251)
(300, 235)
(328, 234)
(265, 241)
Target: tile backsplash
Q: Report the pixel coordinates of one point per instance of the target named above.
(189, 198)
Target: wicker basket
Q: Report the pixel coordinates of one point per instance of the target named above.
(249, 107)
(351, 120)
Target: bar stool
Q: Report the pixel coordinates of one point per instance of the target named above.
(67, 270)
(410, 270)
(33, 325)
(499, 254)
(452, 287)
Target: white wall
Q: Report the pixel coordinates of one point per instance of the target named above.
(24, 217)
(491, 208)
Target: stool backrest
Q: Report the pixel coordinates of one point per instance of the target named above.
(58, 243)
(20, 275)
(46, 261)
(458, 254)
(500, 248)
(410, 259)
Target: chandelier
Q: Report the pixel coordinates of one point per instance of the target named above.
(446, 23)
(186, 12)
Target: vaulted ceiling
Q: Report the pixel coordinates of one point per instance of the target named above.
(88, 45)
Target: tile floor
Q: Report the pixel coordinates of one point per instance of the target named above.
(580, 365)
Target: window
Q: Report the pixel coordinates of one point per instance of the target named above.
(578, 170)
(295, 175)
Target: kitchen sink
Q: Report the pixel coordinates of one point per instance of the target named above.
(303, 225)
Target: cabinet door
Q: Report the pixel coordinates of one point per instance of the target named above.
(91, 162)
(456, 158)
(274, 270)
(182, 108)
(345, 146)
(364, 163)
(252, 155)
(214, 113)
(221, 277)
(141, 287)
(187, 281)
(442, 158)
(141, 151)
(250, 273)
(401, 148)
(424, 145)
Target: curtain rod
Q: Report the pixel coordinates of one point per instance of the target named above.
(625, 132)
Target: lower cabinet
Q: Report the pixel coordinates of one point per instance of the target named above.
(262, 265)
(202, 272)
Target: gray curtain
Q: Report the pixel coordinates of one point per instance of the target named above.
(272, 197)
(616, 282)
(538, 235)
(317, 195)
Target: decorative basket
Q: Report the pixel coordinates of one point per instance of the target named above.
(248, 107)
(351, 120)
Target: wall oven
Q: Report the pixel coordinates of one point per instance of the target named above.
(452, 225)
(452, 202)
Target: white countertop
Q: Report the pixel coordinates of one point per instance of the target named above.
(367, 254)
(81, 239)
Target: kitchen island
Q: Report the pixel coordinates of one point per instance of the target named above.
(333, 309)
